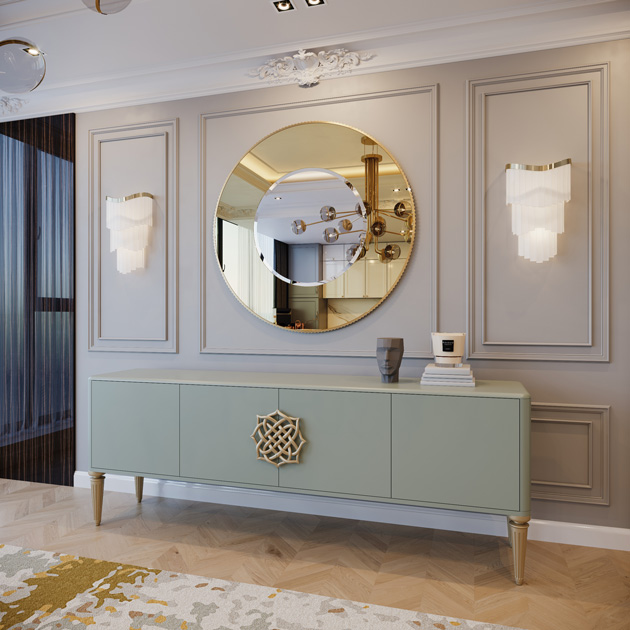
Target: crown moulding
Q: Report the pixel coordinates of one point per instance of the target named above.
(307, 68)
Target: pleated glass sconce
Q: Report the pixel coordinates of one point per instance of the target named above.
(129, 220)
(537, 195)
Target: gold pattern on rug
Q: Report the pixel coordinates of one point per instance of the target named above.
(43, 589)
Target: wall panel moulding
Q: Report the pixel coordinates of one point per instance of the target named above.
(134, 311)
(517, 309)
(410, 136)
(570, 453)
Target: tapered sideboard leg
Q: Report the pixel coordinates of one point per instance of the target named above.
(139, 486)
(97, 480)
(509, 530)
(518, 526)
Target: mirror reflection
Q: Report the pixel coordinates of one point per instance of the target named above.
(329, 210)
(314, 227)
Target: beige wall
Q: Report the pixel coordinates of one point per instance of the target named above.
(450, 150)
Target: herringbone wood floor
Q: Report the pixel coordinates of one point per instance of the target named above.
(462, 575)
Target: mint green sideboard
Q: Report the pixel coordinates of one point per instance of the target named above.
(457, 448)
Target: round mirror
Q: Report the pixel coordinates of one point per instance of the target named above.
(314, 227)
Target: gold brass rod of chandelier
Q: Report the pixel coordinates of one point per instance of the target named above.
(371, 193)
(371, 180)
(322, 221)
(352, 232)
(392, 216)
(134, 196)
(534, 167)
(316, 222)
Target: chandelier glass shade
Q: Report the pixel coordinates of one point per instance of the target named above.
(106, 7)
(129, 220)
(537, 195)
(22, 66)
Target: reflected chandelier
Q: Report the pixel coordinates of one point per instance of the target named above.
(537, 195)
(375, 216)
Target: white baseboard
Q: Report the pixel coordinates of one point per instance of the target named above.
(471, 522)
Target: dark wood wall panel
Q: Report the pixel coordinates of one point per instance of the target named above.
(37, 302)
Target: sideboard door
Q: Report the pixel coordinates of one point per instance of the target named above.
(135, 427)
(216, 427)
(456, 451)
(348, 447)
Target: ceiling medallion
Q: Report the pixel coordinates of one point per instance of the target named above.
(11, 104)
(307, 68)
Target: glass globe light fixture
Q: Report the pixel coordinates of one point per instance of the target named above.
(345, 225)
(390, 252)
(106, 7)
(298, 226)
(328, 213)
(331, 234)
(22, 66)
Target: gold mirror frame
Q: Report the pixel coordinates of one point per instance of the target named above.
(356, 157)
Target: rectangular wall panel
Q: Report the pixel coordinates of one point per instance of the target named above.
(136, 311)
(570, 453)
(558, 309)
(411, 137)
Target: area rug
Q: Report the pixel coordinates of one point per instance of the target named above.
(47, 590)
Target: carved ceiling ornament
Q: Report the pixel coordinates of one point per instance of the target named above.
(11, 104)
(307, 68)
(278, 439)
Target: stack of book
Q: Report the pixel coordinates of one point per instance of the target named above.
(451, 375)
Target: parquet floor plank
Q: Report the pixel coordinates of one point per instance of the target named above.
(461, 575)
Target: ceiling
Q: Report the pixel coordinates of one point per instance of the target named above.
(157, 50)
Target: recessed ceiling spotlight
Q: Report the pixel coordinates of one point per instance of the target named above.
(396, 189)
(283, 5)
(277, 198)
(314, 3)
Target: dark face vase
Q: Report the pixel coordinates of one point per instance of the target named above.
(389, 353)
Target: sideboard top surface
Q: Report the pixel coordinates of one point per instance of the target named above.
(497, 389)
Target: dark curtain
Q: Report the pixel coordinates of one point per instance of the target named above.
(37, 303)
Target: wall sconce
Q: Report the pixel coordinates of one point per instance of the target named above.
(129, 220)
(537, 195)
(22, 66)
